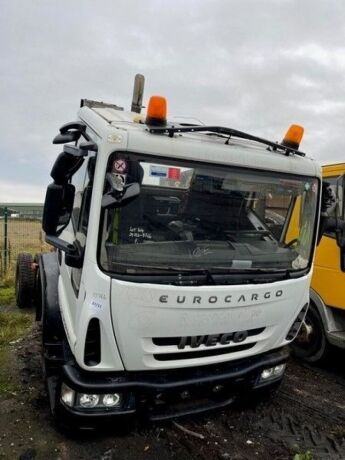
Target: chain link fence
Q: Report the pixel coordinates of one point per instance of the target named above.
(20, 231)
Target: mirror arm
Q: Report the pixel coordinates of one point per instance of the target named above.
(73, 257)
(61, 244)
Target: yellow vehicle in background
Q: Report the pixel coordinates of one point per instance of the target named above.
(324, 323)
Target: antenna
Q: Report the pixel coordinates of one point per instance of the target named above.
(138, 93)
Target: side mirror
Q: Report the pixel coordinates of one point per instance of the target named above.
(67, 164)
(70, 136)
(333, 212)
(328, 203)
(340, 208)
(56, 216)
(57, 208)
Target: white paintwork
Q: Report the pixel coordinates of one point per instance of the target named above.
(130, 313)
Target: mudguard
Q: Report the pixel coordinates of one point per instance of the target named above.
(50, 310)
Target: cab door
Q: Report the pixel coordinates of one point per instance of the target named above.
(329, 275)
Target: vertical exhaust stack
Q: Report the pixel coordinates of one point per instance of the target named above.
(138, 93)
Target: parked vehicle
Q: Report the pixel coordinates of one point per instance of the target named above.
(325, 320)
(182, 266)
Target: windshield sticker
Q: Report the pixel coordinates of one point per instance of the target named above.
(158, 171)
(120, 166)
(139, 234)
(174, 173)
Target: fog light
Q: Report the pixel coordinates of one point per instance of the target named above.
(67, 395)
(88, 401)
(267, 373)
(272, 372)
(111, 400)
(278, 370)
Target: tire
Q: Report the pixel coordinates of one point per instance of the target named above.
(311, 344)
(25, 280)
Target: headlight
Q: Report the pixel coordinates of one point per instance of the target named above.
(80, 401)
(111, 400)
(88, 401)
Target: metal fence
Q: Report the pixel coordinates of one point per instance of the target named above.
(20, 231)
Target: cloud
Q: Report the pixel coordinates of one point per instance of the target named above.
(254, 66)
(11, 191)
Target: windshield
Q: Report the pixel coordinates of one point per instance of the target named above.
(206, 218)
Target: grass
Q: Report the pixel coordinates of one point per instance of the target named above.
(13, 326)
(7, 290)
(7, 295)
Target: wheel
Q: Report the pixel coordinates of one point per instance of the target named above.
(25, 280)
(311, 343)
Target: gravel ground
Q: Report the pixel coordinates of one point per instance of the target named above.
(307, 414)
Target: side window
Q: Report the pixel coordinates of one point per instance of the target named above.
(83, 220)
(332, 183)
(78, 180)
(81, 209)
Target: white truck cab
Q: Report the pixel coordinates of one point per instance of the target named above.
(182, 266)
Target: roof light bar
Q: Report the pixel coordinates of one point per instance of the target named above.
(293, 136)
(157, 111)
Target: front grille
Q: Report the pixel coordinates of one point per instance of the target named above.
(170, 341)
(202, 353)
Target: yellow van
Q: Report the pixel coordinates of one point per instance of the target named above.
(324, 323)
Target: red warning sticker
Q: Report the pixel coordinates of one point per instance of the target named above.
(120, 166)
(174, 173)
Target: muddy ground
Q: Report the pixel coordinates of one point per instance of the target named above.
(307, 414)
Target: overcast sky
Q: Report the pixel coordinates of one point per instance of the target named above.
(253, 65)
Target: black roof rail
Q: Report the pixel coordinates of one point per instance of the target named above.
(225, 132)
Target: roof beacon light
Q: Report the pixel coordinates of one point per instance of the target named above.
(293, 136)
(157, 111)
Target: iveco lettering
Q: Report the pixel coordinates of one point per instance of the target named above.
(182, 261)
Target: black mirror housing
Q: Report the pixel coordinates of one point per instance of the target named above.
(57, 208)
(64, 167)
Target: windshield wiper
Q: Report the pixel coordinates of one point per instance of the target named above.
(190, 270)
(250, 270)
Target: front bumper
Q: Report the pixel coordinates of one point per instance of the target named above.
(171, 393)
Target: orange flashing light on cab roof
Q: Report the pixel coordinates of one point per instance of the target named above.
(157, 111)
(293, 136)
